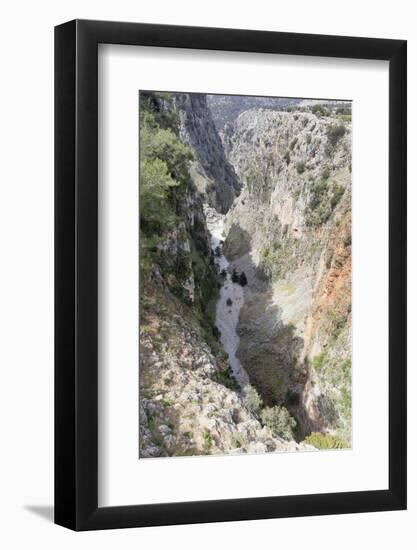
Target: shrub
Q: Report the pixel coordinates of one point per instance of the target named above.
(319, 110)
(325, 441)
(287, 157)
(292, 398)
(165, 145)
(155, 183)
(329, 260)
(293, 144)
(216, 332)
(279, 420)
(243, 281)
(252, 399)
(321, 205)
(208, 441)
(337, 194)
(226, 378)
(300, 167)
(319, 361)
(344, 110)
(325, 173)
(334, 133)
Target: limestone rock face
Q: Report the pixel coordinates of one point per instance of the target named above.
(290, 231)
(212, 174)
(283, 184)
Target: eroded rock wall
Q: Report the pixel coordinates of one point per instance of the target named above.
(290, 230)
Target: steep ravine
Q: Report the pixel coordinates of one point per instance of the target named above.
(191, 397)
(290, 231)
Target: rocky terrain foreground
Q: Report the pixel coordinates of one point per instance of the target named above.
(185, 409)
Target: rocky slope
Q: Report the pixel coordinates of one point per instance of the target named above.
(274, 274)
(211, 172)
(289, 230)
(186, 408)
(189, 402)
(226, 108)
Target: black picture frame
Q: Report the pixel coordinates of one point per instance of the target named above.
(76, 272)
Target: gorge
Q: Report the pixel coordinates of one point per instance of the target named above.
(245, 275)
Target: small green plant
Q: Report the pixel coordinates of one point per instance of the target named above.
(325, 441)
(319, 361)
(279, 420)
(252, 399)
(265, 252)
(308, 139)
(208, 441)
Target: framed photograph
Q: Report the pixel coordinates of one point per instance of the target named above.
(230, 248)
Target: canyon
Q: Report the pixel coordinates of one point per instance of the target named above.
(245, 302)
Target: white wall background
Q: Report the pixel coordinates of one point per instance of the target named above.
(26, 273)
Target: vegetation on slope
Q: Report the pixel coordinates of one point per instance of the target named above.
(174, 243)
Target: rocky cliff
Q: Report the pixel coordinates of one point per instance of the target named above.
(189, 402)
(275, 278)
(212, 174)
(289, 230)
(226, 108)
(189, 405)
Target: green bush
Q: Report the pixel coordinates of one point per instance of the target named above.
(300, 167)
(334, 133)
(287, 157)
(226, 378)
(325, 441)
(318, 193)
(252, 399)
(322, 203)
(279, 420)
(325, 173)
(155, 183)
(319, 361)
(165, 145)
(319, 110)
(337, 194)
(344, 110)
(208, 441)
